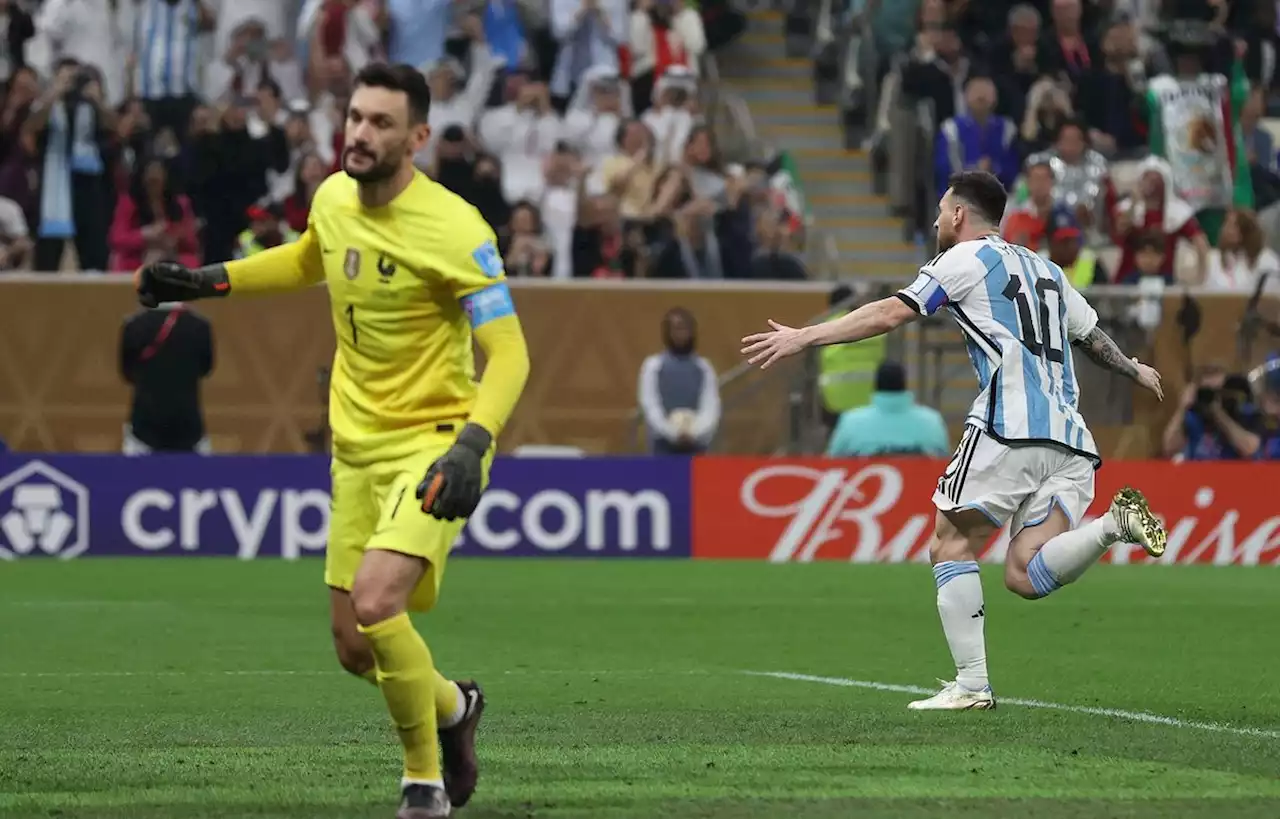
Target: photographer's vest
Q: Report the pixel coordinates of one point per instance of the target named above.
(847, 371)
(1195, 126)
(1081, 274)
(250, 245)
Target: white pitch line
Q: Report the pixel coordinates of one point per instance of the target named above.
(1132, 716)
(335, 672)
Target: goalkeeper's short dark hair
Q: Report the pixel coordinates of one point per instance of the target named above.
(399, 77)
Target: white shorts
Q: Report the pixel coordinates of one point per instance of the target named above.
(1017, 485)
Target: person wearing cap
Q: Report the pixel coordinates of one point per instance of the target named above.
(671, 118)
(1068, 251)
(267, 229)
(892, 424)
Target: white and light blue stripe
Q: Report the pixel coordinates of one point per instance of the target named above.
(166, 39)
(1042, 580)
(948, 570)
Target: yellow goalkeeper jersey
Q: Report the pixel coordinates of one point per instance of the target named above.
(408, 282)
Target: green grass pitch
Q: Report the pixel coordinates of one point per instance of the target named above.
(195, 688)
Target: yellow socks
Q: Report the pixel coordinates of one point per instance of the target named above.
(407, 679)
(451, 706)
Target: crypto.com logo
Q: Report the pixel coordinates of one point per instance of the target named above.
(44, 510)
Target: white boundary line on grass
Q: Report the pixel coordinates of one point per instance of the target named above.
(1132, 716)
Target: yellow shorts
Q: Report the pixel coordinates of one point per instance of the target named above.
(374, 508)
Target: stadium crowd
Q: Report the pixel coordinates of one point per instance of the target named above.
(1128, 130)
(134, 130)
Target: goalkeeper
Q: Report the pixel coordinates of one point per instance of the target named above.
(413, 272)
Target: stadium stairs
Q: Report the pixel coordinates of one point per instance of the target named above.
(859, 237)
(866, 239)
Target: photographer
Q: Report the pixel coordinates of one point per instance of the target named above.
(1215, 420)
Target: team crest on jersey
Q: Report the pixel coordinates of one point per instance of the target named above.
(351, 265)
(386, 268)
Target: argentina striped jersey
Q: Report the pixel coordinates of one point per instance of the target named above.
(166, 40)
(1019, 315)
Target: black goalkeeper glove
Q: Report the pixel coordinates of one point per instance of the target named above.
(452, 486)
(169, 281)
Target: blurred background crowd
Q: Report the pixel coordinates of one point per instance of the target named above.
(199, 130)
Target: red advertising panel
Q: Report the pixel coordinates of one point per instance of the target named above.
(808, 509)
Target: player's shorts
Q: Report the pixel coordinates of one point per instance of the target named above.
(374, 508)
(1017, 485)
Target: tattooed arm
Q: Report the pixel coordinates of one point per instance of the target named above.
(1104, 352)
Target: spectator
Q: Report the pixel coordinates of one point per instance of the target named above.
(251, 60)
(1258, 142)
(271, 15)
(297, 207)
(153, 223)
(671, 192)
(630, 173)
(505, 25)
(1149, 260)
(164, 355)
(133, 139)
(846, 372)
(1048, 108)
(938, 71)
(602, 247)
(694, 250)
(267, 229)
(522, 133)
(1082, 176)
(1067, 48)
(773, 261)
(233, 176)
(679, 392)
(671, 118)
(1026, 223)
(559, 206)
(486, 191)
(15, 240)
(18, 28)
(167, 41)
(590, 33)
(454, 166)
(70, 131)
(298, 145)
(979, 139)
(339, 32)
(663, 34)
(457, 98)
(1155, 207)
(600, 107)
(1067, 250)
(1269, 412)
(87, 31)
(416, 30)
(1242, 258)
(893, 424)
(528, 256)
(1017, 60)
(1108, 101)
(526, 221)
(1214, 421)
(20, 97)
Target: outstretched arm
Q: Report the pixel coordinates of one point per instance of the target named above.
(1099, 348)
(874, 319)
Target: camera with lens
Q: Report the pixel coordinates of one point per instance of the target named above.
(1233, 397)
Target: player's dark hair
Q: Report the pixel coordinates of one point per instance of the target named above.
(982, 192)
(399, 77)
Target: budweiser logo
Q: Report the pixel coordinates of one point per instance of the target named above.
(867, 512)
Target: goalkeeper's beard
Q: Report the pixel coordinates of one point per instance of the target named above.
(378, 171)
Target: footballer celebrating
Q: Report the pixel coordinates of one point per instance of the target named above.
(413, 272)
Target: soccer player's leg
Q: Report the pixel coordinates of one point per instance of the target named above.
(352, 520)
(402, 570)
(1048, 551)
(976, 493)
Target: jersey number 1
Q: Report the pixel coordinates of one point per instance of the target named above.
(1050, 347)
(351, 318)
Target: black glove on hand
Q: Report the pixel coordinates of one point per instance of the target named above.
(161, 282)
(452, 486)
